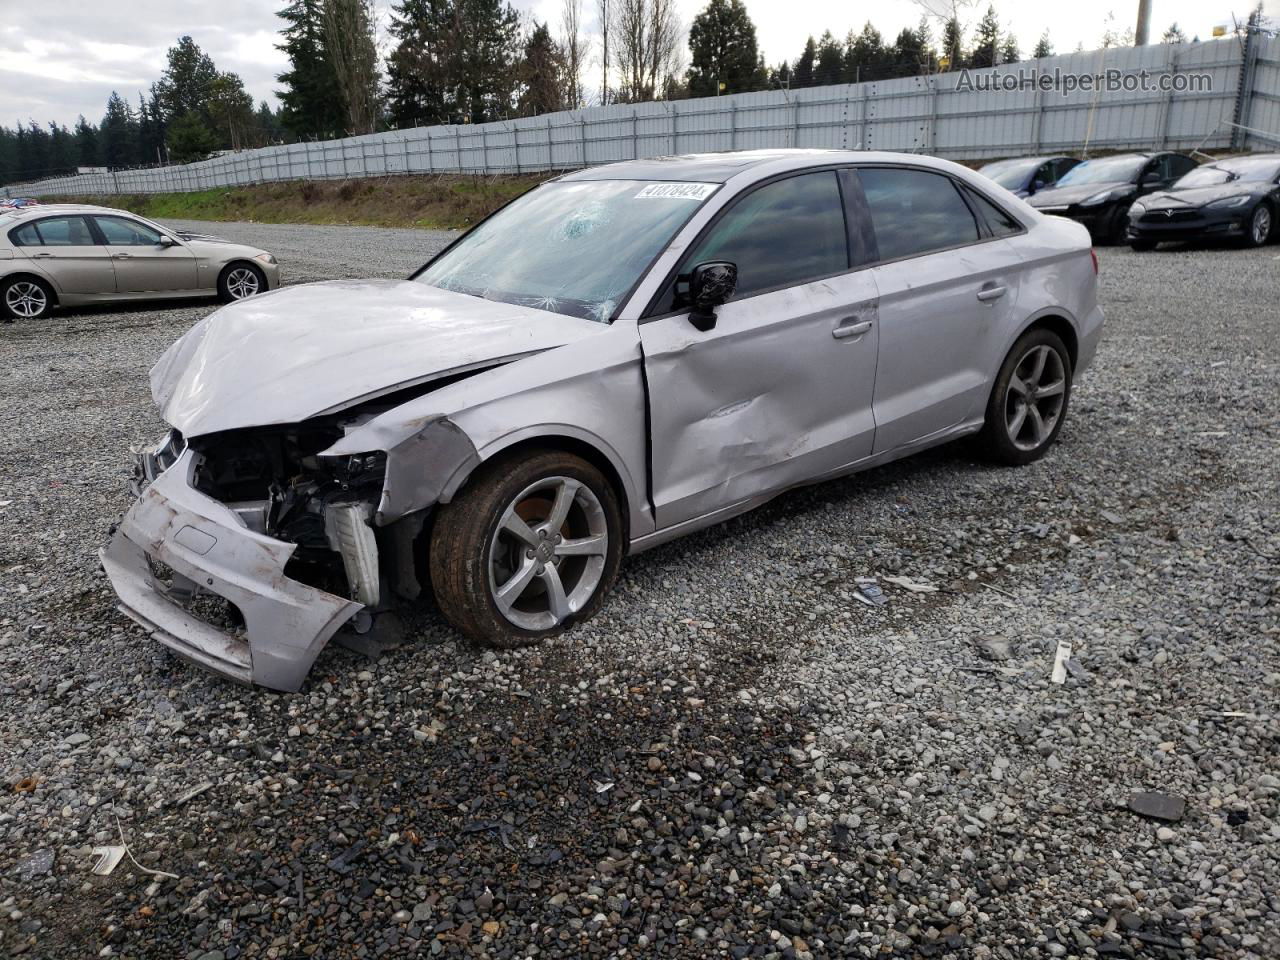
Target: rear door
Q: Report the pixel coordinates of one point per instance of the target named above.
(142, 263)
(68, 252)
(780, 390)
(948, 285)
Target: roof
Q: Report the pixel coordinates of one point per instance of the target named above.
(701, 167)
(18, 213)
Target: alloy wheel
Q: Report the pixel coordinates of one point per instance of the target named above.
(1261, 225)
(547, 555)
(26, 299)
(1034, 400)
(242, 282)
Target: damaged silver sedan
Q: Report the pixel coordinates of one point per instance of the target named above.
(621, 356)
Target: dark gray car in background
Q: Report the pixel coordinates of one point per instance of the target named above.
(1237, 198)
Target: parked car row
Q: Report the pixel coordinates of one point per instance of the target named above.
(1146, 198)
(14, 203)
(69, 254)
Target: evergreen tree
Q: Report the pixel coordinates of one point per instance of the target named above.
(986, 40)
(953, 44)
(1173, 35)
(1009, 52)
(86, 135)
(780, 77)
(866, 57)
(1043, 47)
(723, 50)
(310, 103)
(187, 82)
(190, 139)
(802, 75)
(830, 63)
(118, 133)
(542, 74)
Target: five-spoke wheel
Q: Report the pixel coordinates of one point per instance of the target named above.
(26, 299)
(527, 548)
(1029, 401)
(240, 281)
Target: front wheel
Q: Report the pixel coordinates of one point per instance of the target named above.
(1142, 246)
(530, 546)
(240, 281)
(1258, 228)
(25, 298)
(1028, 403)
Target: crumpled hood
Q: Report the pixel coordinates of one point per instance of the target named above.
(285, 356)
(1073, 193)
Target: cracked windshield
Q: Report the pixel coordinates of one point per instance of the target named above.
(575, 247)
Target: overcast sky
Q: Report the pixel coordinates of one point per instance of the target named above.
(62, 58)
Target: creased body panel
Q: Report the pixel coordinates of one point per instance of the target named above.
(287, 623)
(304, 350)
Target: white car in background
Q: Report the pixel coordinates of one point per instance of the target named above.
(72, 254)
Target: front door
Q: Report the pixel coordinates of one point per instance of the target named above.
(780, 390)
(143, 263)
(66, 250)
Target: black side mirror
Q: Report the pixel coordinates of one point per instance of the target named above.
(711, 285)
(1037, 185)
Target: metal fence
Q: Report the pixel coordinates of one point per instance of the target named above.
(936, 114)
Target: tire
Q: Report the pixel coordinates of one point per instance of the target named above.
(1117, 227)
(1142, 246)
(474, 554)
(239, 281)
(1008, 438)
(25, 298)
(1259, 227)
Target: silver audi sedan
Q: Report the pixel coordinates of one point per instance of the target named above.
(621, 356)
(73, 254)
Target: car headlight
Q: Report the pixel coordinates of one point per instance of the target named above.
(1137, 207)
(1097, 198)
(266, 258)
(1239, 201)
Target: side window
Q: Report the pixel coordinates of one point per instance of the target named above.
(915, 211)
(127, 233)
(1159, 166)
(1062, 167)
(64, 232)
(1001, 223)
(783, 234)
(25, 236)
(1181, 165)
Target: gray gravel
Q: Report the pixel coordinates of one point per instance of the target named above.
(737, 757)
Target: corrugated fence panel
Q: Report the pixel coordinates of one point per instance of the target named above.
(956, 114)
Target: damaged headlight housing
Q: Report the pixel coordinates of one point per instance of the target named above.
(359, 468)
(154, 460)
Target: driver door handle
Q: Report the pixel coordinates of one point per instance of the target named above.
(122, 256)
(851, 327)
(991, 292)
(41, 256)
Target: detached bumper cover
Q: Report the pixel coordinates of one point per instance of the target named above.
(286, 623)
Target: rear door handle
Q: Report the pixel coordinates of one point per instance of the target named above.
(122, 256)
(846, 329)
(41, 256)
(987, 294)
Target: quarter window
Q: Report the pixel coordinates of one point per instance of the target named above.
(25, 236)
(783, 234)
(127, 233)
(914, 211)
(1001, 223)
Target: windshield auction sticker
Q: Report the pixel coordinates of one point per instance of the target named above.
(677, 191)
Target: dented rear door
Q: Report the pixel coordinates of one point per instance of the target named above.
(780, 390)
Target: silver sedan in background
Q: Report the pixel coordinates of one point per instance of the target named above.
(71, 254)
(621, 356)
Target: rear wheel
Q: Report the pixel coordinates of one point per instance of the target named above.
(240, 281)
(1258, 228)
(1028, 403)
(530, 547)
(25, 298)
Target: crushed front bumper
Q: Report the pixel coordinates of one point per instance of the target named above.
(211, 551)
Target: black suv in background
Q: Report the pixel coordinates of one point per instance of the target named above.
(1098, 193)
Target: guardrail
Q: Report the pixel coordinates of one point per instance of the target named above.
(941, 114)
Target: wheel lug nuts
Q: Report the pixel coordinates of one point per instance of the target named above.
(529, 554)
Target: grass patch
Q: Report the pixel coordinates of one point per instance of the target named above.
(449, 201)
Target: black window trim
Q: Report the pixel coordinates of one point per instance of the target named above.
(647, 317)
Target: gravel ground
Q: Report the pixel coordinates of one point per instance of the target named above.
(736, 758)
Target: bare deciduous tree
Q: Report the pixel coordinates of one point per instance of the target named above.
(574, 46)
(606, 22)
(649, 43)
(352, 50)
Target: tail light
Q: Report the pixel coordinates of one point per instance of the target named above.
(1094, 254)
